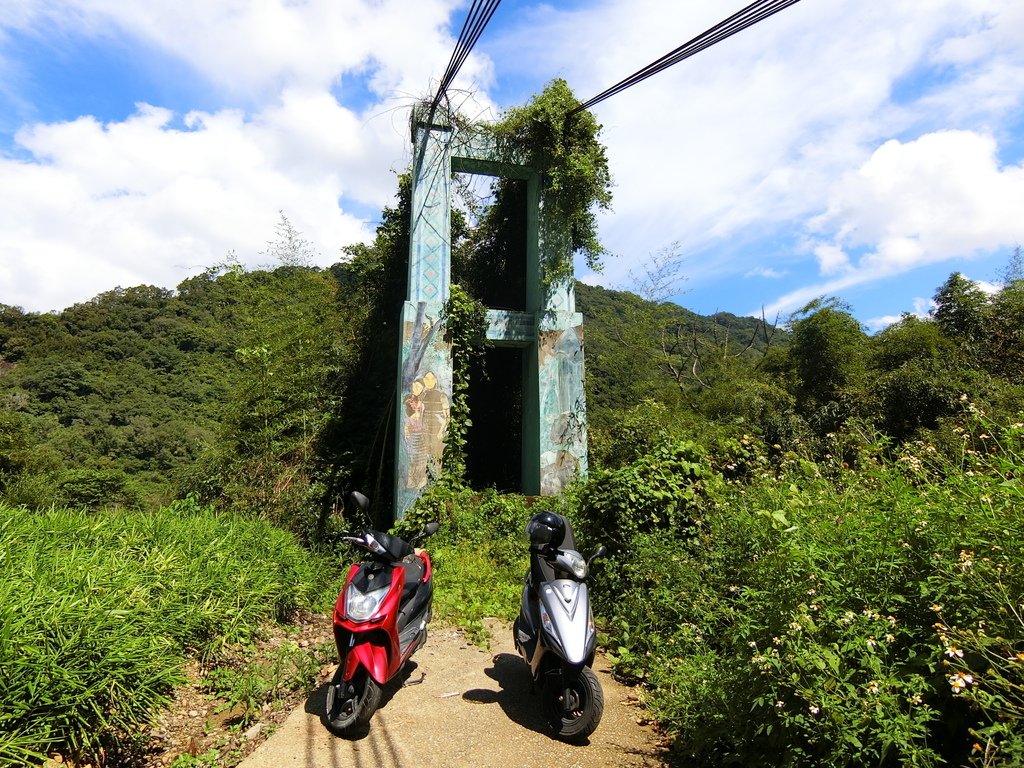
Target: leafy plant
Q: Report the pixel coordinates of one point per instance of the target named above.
(465, 331)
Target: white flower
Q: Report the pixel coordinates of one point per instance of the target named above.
(960, 681)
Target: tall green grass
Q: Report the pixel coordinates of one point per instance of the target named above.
(98, 611)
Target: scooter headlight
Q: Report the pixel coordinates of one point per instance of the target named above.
(572, 562)
(361, 606)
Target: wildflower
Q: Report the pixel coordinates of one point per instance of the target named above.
(953, 652)
(812, 592)
(891, 620)
(890, 637)
(916, 699)
(795, 626)
(780, 704)
(975, 747)
(936, 607)
(870, 642)
(987, 499)
(873, 686)
(752, 644)
(960, 681)
(813, 709)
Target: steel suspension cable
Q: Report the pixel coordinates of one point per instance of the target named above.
(747, 17)
(480, 12)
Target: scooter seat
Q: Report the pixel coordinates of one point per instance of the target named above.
(415, 570)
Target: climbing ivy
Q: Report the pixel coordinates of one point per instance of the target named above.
(465, 331)
(573, 165)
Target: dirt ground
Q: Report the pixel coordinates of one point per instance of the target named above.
(471, 708)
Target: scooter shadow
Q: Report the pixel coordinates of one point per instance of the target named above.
(316, 704)
(514, 696)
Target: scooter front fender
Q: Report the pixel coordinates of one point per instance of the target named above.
(567, 604)
(371, 656)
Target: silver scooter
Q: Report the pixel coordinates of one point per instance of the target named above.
(555, 631)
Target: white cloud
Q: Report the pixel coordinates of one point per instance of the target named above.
(768, 272)
(85, 205)
(831, 259)
(140, 201)
(941, 196)
(753, 134)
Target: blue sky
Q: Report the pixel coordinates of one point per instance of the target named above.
(841, 148)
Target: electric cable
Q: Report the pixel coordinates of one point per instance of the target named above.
(747, 17)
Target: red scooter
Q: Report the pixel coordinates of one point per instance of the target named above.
(380, 619)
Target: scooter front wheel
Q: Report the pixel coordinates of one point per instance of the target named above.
(351, 705)
(574, 705)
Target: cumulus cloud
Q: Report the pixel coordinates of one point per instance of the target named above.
(915, 203)
(86, 205)
(142, 201)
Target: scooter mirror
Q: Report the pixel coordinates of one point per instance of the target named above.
(359, 500)
(600, 552)
(431, 529)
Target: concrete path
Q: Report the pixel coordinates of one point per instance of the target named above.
(473, 708)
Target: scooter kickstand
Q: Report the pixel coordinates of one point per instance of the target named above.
(407, 683)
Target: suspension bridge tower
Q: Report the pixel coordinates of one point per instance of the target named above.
(540, 339)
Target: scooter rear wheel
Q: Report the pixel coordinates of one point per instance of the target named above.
(350, 715)
(578, 717)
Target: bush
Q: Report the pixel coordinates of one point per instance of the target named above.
(663, 490)
(839, 619)
(478, 556)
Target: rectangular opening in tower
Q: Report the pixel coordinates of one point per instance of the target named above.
(489, 239)
(495, 440)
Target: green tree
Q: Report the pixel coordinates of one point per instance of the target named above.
(960, 310)
(828, 350)
(1004, 337)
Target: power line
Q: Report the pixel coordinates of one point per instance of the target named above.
(480, 13)
(753, 13)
